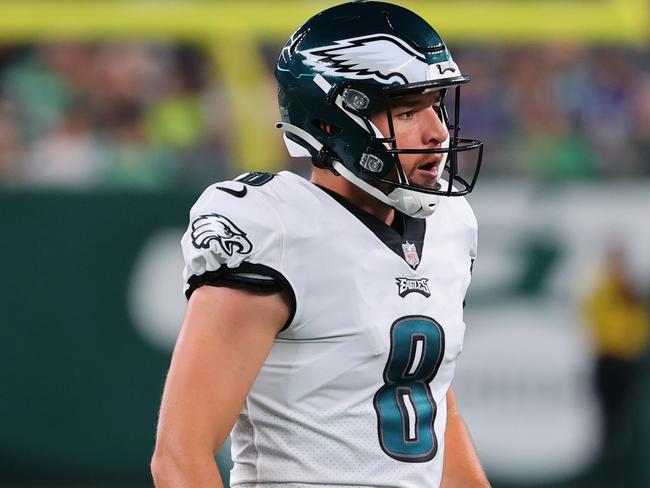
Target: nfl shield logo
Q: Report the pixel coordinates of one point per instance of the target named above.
(410, 254)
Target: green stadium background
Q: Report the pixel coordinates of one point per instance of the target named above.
(91, 290)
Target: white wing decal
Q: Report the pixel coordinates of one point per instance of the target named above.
(381, 57)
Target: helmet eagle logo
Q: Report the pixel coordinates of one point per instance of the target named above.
(380, 57)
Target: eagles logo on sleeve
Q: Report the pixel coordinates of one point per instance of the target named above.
(217, 228)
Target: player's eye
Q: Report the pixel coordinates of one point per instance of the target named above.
(406, 115)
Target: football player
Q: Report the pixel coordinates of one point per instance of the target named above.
(325, 317)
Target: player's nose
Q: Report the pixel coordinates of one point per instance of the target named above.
(435, 130)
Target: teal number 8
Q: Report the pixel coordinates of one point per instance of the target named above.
(404, 405)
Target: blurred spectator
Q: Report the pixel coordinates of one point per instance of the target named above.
(641, 122)
(65, 156)
(616, 313)
(11, 148)
(132, 161)
(607, 111)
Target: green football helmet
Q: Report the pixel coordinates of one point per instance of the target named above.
(344, 65)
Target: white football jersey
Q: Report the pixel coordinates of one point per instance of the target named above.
(353, 391)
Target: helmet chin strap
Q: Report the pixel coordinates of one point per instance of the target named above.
(412, 203)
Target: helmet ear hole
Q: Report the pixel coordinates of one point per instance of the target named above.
(326, 128)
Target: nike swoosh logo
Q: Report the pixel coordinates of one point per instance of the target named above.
(235, 193)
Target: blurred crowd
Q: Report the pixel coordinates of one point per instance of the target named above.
(154, 115)
(553, 113)
(140, 115)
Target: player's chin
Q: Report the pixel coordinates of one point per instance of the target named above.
(426, 179)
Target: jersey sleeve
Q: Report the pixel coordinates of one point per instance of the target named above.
(233, 240)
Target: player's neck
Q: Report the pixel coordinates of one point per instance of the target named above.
(353, 194)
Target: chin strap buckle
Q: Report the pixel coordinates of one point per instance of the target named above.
(325, 159)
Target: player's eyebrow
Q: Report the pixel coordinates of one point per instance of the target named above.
(413, 101)
(405, 103)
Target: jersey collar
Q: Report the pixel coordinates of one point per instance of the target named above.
(405, 231)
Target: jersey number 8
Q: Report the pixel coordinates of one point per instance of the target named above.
(405, 407)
